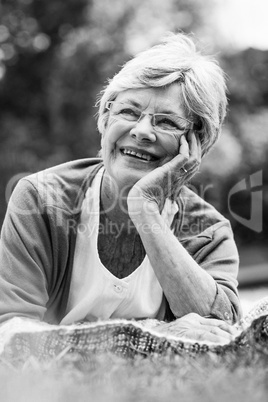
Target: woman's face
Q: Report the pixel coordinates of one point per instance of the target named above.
(132, 149)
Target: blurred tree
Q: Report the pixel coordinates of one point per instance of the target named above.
(86, 58)
(55, 57)
(248, 119)
(30, 35)
(248, 79)
(90, 55)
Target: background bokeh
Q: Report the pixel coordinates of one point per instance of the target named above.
(55, 57)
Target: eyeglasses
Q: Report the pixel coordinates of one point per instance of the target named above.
(161, 122)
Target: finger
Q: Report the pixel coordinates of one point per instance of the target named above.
(217, 327)
(220, 333)
(184, 146)
(207, 336)
(175, 164)
(194, 147)
(199, 146)
(224, 326)
(181, 159)
(192, 140)
(192, 165)
(194, 153)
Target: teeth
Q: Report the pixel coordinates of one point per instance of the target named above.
(137, 154)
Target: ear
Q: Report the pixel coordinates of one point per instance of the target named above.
(105, 126)
(99, 154)
(102, 138)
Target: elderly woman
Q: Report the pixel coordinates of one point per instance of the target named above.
(122, 236)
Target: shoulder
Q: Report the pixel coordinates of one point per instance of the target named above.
(197, 217)
(62, 186)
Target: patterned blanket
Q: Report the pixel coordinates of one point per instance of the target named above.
(21, 338)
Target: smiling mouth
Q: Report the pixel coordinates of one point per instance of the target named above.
(139, 155)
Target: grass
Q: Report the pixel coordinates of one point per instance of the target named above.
(109, 377)
(112, 378)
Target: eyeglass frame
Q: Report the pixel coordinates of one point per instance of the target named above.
(142, 114)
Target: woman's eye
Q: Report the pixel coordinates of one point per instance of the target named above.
(167, 123)
(129, 112)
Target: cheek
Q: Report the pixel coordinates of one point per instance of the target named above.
(113, 132)
(108, 137)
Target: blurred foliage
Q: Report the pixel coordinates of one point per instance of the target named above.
(55, 58)
(243, 147)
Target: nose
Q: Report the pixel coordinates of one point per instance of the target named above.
(143, 129)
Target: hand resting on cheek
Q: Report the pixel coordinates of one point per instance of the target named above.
(167, 180)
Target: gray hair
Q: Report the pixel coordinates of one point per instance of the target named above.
(175, 60)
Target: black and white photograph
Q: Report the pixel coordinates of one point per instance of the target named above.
(133, 199)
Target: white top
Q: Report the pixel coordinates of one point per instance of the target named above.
(95, 293)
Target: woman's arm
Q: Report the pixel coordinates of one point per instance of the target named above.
(187, 286)
(25, 252)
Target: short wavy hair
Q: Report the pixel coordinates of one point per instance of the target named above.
(175, 60)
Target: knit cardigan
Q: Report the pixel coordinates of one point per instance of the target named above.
(39, 233)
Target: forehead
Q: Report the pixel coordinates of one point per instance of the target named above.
(165, 100)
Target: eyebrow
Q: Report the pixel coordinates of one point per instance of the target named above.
(133, 102)
(166, 111)
(138, 105)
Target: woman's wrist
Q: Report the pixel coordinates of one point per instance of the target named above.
(142, 210)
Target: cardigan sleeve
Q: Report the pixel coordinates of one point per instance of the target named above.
(25, 255)
(220, 259)
(215, 251)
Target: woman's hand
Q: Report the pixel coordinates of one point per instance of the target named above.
(166, 181)
(195, 327)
